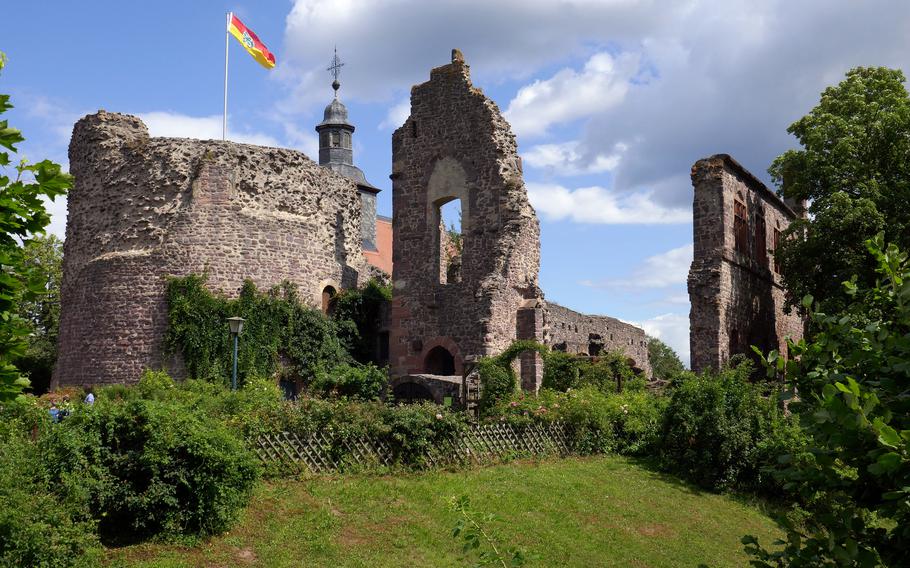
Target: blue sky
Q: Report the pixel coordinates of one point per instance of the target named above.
(612, 100)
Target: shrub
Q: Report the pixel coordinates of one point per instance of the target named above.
(497, 382)
(720, 432)
(362, 309)
(363, 382)
(415, 429)
(36, 528)
(627, 423)
(564, 371)
(561, 371)
(278, 328)
(148, 467)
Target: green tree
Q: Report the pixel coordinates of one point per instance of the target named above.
(43, 255)
(852, 378)
(22, 217)
(854, 170)
(665, 363)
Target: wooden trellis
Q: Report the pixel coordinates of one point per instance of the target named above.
(479, 444)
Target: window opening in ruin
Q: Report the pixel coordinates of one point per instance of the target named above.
(413, 129)
(761, 241)
(775, 244)
(383, 347)
(451, 242)
(594, 349)
(740, 227)
(439, 362)
(328, 299)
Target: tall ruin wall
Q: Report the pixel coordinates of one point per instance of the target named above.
(144, 208)
(735, 289)
(583, 334)
(456, 145)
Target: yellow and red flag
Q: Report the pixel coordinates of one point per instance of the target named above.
(250, 42)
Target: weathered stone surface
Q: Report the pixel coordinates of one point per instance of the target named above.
(456, 145)
(577, 333)
(146, 208)
(736, 294)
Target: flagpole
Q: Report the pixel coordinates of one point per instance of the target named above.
(226, 40)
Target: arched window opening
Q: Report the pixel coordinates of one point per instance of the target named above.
(328, 299)
(439, 362)
(451, 241)
(595, 349)
(408, 393)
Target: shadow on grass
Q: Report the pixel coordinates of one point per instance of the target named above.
(773, 509)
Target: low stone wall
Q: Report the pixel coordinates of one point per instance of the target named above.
(573, 332)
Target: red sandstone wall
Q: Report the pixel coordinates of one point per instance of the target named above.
(737, 298)
(455, 144)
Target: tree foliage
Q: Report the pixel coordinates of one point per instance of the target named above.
(853, 379)
(854, 168)
(22, 216)
(44, 256)
(665, 363)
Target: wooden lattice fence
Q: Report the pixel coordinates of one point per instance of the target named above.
(479, 444)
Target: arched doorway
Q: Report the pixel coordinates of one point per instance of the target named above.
(411, 392)
(328, 297)
(439, 362)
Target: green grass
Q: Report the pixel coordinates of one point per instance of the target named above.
(603, 511)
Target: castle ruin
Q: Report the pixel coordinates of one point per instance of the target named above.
(735, 287)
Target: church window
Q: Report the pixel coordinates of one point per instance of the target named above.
(346, 139)
(335, 141)
(740, 227)
(324, 139)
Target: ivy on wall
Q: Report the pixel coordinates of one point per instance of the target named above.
(362, 308)
(280, 336)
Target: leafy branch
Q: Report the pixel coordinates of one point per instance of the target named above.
(473, 528)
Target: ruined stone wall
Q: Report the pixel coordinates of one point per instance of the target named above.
(572, 332)
(146, 208)
(456, 144)
(736, 294)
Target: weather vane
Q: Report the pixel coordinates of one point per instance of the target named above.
(335, 68)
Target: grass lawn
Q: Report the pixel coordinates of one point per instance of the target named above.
(602, 511)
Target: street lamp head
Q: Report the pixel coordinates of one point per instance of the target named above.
(236, 324)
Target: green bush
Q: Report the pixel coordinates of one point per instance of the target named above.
(148, 467)
(415, 429)
(362, 308)
(598, 422)
(364, 382)
(280, 335)
(37, 528)
(720, 432)
(497, 382)
(564, 371)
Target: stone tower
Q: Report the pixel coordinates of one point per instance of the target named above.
(336, 152)
(456, 145)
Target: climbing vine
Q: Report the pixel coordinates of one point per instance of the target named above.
(280, 335)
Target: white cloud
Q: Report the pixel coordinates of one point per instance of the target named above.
(390, 45)
(176, 125)
(396, 115)
(672, 329)
(600, 205)
(670, 268)
(568, 159)
(569, 95)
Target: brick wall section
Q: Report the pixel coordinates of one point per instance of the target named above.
(737, 298)
(572, 332)
(456, 144)
(145, 208)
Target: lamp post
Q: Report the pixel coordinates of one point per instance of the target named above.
(236, 324)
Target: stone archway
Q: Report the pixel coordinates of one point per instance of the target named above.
(439, 361)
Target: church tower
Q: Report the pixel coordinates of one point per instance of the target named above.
(336, 152)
